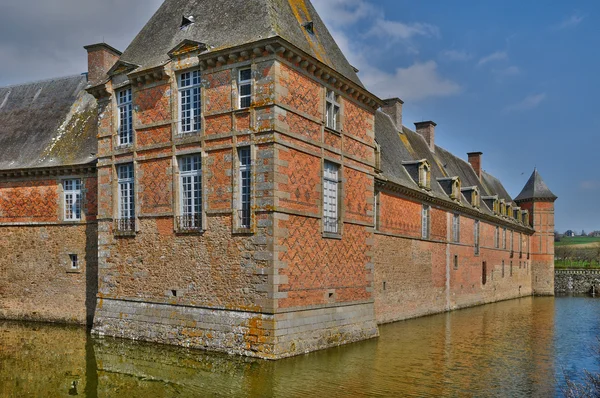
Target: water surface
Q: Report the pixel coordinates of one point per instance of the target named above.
(515, 348)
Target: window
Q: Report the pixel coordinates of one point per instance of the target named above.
(520, 245)
(245, 88)
(126, 218)
(332, 111)
(455, 262)
(512, 243)
(497, 238)
(503, 268)
(190, 102)
(484, 273)
(425, 222)
(511, 268)
(245, 186)
(190, 177)
(331, 198)
(456, 228)
(476, 229)
(377, 205)
(424, 176)
(72, 195)
(74, 261)
(504, 238)
(124, 103)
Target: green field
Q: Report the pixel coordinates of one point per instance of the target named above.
(577, 240)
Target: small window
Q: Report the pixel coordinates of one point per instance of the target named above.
(503, 268)
(245, 88)
(455, 262)
(484, 273)
(74, 261)
(511, 268)
(72, 199)
(476, 229)
(245, 187)
(190, 102)
(425, 222)
(497, 238)
(331, 198)
(332, 111)
(377, 206)
(124, 102)
(456, 228)
(504, 238)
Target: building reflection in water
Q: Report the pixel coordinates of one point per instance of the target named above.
(504, 349)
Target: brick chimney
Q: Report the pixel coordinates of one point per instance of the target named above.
(427, 130)
(393, 108)
(101, 57)
(475, 160)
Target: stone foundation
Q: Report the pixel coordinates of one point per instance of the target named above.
(576, 281)
(268, 336)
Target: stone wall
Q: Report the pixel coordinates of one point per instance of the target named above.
(576, 281)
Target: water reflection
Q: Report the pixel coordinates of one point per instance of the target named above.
(514, 348)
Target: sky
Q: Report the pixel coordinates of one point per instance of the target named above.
(516, 80)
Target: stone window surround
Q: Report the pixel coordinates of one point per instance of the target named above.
(338, 204)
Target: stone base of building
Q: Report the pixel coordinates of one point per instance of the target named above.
(267, 336)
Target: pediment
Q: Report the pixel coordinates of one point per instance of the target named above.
(187, 46)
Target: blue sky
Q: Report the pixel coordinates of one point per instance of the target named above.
(515, 80)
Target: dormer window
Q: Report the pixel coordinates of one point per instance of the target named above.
(310, 27)
(186, 21)
(377, 158)
(526, 217)
(451, 186)
(472, 195)
(492, 203)
(420, 171)
(502, 208)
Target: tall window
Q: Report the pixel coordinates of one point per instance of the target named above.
(126, 198)
(456, 228)
(497, 238)
(190, 102)
(512, 242)
(425, 222)
(476, 229)
(72, 195)
(245, 88)
(484, 273)
(377, 205)
(190, 176)
(245, 184)
(332, 110)
(504, 238)
(520, 245)
(331, 197)
(124, 103)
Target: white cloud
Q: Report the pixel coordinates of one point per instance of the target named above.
(454, 55)
(591, 185)
(571, 21)
(497, 56)
(506, 72)
(417, 82)
(345, 12)
(383, 28)
(529, 102)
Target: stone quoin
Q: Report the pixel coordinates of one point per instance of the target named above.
(227, 183)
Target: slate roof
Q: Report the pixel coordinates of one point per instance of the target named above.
(48, 123)
(407, 145)
(224, 24)
(536, 188)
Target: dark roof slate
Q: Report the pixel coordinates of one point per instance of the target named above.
(47, 124)
(536, 189)
(229, 23)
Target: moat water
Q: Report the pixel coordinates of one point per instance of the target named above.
(522, 347)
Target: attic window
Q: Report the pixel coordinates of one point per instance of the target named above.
(456, 190)
(186, 21)
(310, 27)
(420, 171)
(475, 198)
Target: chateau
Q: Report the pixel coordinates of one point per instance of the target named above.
(228, 183)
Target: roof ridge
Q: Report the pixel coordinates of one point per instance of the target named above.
(43, 81)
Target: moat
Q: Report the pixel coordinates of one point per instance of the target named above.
(521, 347)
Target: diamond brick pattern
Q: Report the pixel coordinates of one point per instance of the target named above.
(218, 124)
(304, 174)
(358, 122)
(217, 92)
(154, 136)
(21, 201)
(299, 125)
(153, 104)
(358, 149)
(302, 93)
(156, 186)
(315, 265)
(358, 188)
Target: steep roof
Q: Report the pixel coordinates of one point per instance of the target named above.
(406, 146)
(536, 189)
(229, 23)
(46, 124)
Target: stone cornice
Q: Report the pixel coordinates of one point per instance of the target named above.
(99, 91)
(448, 204)
(89, 168)
(148, 76)
(281, 48)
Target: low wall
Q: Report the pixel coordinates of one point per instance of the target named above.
(576, 281)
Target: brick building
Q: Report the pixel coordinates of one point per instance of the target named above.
(253, 196)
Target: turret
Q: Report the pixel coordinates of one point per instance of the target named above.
(537, 198)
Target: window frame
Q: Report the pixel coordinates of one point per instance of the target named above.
(244, 180)
(333, 104)
(331, 198)
(504, 238)
(129, 182)
(426, 222)
(124, 136)
(190, 220)
(78, 213)
(456, 228)
(476, 237)
(195, 113)
(244, 83)
(497, 238)
(377, 210)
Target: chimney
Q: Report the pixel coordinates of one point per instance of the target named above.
(475, 160)
(427, 130)
(101, 57)
(393, 108)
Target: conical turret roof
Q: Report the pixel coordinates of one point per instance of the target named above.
(222, 24)
(536, 189)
